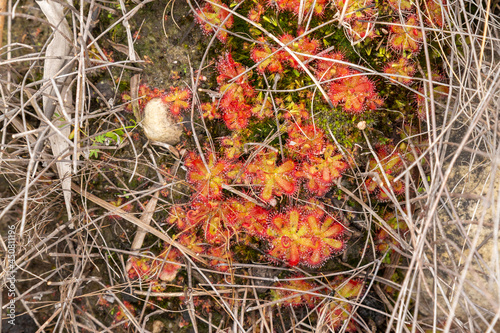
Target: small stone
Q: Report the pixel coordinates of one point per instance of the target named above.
(361, 125)
(159, 124)
(158, 326)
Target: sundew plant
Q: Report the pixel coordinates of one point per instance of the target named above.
(311, 101)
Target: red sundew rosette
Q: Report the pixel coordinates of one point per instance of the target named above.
(207, 183)
(211, 16)
(406, 36)
(356, 93)
(288, 235)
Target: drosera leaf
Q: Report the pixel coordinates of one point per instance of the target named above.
(326, 239)
(211, 16)
(236, 92)
(356, 93)
(320, 172)
(406, 36)
(207, 183)
(177, 100)
(288, 236)
(296, 291)
(303, 235)
(212, 216)
(275, 180)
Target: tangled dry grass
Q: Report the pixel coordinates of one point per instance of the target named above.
(66, 258)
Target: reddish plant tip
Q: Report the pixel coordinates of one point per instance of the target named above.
(405, 5)
(168, 264)
(193, 242)
(236, 91)
(210, 111)
(178, 217)
(296, 292)
(420, 101)
(340, 313)
(355, 92)
(222, 258)
(229, 69)
(296, 113)
(211, 17)
(287, 233)
(256, 12)
(315, 208)
(121, 314)
(329, 69)
(232, 146)
(145, 94)
(273, 59)
(177, 100)
(139, 268)
(383, 239)
(406, 36)
(236, 115)
(352, 288)
(212, 216)
(120, 203)
(246, 217)
(268, 58)
(353, 9)
(319, 6)
(305, 140)
(320, 172)
(326, 239)
(273, 179)
(207, 183)
(403, 68)
(391, 161)
(262, 107)
(434, 12)
(163, 267)
(304, 45)
(361, 29)
(306, 239)
(295, 5)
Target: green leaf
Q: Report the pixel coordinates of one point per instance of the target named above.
(94, 153)
(400, 104)
(119, 131)
(255, 31)
(271, 20)
(100, 138)
(387, 259)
